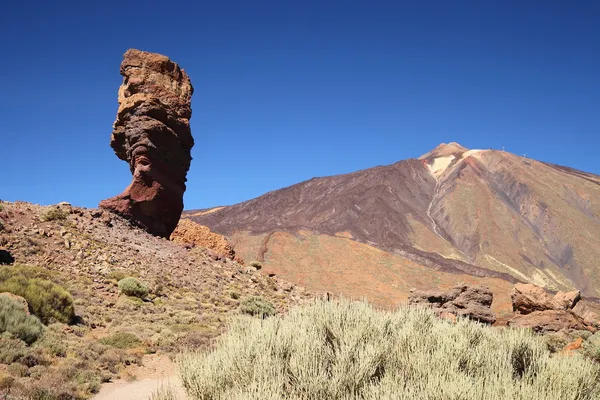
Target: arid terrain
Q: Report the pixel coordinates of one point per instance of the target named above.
(451, 215)
(87, 251)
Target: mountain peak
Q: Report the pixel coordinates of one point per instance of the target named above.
(445, 149)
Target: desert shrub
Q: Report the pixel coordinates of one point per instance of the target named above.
(235, 295)
(555, 342)
(256, 264)
(53, 341)
(54, 214)
(11, 349)
(164, 392)
(591, 347)
(257, 306)
(89, 380)
(47, 300)
(18, 370)
(118, 274)
(121, 340)
(131, 286)
(343, 350)
(7, 382)
(14, 319)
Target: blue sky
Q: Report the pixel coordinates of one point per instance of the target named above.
(289, 90)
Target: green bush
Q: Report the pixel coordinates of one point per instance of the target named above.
(131, 286)
(343, 350)
(14, 319)
(121, 340)
(54, 214)
(11, 349)
(257, 306)
(47, 300)
(591, 347)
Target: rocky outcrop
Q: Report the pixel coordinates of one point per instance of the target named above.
(528, 298)
(536, 309)
(473, 302)
(549, 321)
(190, 233)
(152, 133)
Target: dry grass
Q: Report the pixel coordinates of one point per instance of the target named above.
(344, 350)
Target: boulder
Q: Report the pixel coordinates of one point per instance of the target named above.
(528, 298)
(567, 300)
(585, 312)
(536, 309)
(189, 232)
(472, 302)
(152, 133)
(549, 321)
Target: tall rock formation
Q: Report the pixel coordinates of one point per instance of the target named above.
(152, 133)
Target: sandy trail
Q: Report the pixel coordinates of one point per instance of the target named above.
(156, 372)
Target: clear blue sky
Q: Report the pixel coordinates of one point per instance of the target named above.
(289, 90)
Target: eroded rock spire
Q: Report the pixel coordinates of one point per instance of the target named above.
(152, 133)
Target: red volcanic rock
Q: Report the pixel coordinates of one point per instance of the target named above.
(567, 300)
(536, 309)
(188, 232)
(527, 298)
(462, 300)
(549, 321)
(152, 133)
(589, 316)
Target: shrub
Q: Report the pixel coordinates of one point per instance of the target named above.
(54, 214)
(47, 300)
(118, 274)
(555, 342)
(257, 306)
(131, 286)
(591, 347)
(121, 340)
(11, 349)
(343, 350)
(256, 264)
(6, 382)
(18, 370)
(164, 392)
(14, 319)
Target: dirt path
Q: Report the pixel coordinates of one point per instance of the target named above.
(156, 372)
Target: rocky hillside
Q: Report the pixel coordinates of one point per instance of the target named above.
(186, 302)
(450, 215)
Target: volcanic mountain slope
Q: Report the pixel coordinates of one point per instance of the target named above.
(452, 214)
